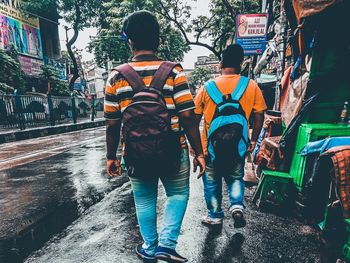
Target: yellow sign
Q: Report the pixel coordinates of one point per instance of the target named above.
(13, 13)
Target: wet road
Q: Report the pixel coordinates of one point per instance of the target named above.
(107, 231)
(45, 184)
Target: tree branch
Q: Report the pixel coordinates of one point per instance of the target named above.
(166, 14)
(204, 27)
(71, 42)
(215, 42)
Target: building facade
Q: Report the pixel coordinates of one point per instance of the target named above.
(96, 79)
(35, 39)
(210, 62)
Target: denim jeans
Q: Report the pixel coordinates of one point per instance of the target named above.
(213, 189)
(145, 196)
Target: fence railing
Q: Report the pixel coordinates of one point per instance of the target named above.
(22, 111)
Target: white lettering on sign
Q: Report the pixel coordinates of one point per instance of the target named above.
(12, 3)
(252, 25)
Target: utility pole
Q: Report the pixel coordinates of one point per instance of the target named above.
(281, 55)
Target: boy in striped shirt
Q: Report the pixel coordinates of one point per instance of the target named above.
(142, 31)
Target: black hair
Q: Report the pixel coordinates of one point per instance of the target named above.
(142, 29)
(232, 56)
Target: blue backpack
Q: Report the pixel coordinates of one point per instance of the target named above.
(228, 132)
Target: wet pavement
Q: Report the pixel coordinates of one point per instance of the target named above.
(47, 183)
(108, 232)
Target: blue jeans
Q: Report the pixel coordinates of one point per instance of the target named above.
(145, 196)
(213, 189)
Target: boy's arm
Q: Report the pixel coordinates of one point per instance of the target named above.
(112, 138)
(112, 114)
(188, 121)
(113, 167)
(185, 108)
(258, 115)
(258, 121)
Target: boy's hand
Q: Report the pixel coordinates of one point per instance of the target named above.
(251, 146)
(199, 161)
(113, 168)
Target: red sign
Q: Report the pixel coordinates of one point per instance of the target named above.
(30, 66)
(252, 25)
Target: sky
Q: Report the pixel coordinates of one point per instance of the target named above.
(199, 7)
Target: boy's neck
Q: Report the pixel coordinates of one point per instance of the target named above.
(142, 52)
(230, 71)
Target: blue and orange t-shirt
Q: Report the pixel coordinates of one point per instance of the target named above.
(176, 91)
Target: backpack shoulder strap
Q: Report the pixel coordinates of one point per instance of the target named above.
(131, 76)
(162, 74)
(213, 92)
(240, 88)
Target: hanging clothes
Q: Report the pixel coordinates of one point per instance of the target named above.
(294, 98)
(285, 85)
(306, 8)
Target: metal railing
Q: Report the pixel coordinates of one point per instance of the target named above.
(23, 111)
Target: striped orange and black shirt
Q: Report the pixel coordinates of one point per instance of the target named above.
(176, 91)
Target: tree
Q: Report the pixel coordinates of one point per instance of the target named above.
(11, 76)
(199, 76)
(44, 8)
(212, 32)
(50, 75)
(107, 46)
(79, 13)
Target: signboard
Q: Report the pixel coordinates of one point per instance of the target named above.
(79, 83)
(22, 31)
(251, 32)
(58, 66)
(30, 66)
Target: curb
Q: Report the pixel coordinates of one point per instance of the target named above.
(13, 136)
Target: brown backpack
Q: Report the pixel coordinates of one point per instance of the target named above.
(152, 148)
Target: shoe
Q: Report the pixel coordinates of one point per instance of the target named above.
(141, 253)
(169, 255)
(207, 220)
(238, 217)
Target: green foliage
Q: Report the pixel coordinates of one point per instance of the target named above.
(108, 47)
(212, 32)
(179, 29)
(58, 86)
(80, 13)
(11, 76)
(44, 8)
(199, 76)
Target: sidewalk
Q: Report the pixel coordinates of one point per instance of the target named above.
(17, 135)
